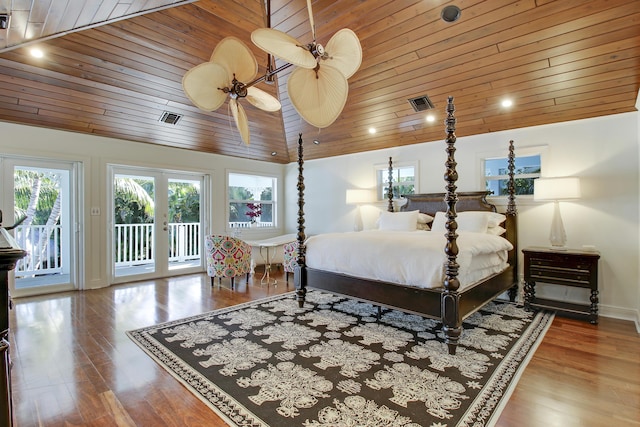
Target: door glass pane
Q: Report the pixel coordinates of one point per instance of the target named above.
(41, 196)
(134, 222)
(184, 223)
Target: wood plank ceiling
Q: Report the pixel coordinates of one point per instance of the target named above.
(113, 67)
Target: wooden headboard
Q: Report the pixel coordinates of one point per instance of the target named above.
(434, 202)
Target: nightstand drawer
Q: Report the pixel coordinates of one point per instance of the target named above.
(572, 277)
(562, 261)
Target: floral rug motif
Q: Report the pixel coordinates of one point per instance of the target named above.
(334, 363)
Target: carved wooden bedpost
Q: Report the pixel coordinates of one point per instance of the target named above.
(451, 322)
(512, 216)
(390, 188)
(300, 273)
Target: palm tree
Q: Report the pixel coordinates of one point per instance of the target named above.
(133, 203)
(36, 196)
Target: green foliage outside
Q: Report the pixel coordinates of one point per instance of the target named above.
(134, 201)
(26, 184)
(238, 209)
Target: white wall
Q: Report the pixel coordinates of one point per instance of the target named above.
(96, 153)
(603, 152)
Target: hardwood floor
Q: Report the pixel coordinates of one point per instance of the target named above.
(73, 365)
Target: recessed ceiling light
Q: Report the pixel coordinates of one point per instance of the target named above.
(450, 13)
(273, 153)
(315, 141)
(36, 53)
(372, 130)
(431, 118)
(506, 103)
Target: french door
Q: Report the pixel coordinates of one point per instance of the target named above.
(156, 223)
(43, 193)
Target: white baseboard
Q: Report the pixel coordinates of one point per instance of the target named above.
(620, 313)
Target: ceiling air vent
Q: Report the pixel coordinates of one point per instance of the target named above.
(421, 103)
(170, 118)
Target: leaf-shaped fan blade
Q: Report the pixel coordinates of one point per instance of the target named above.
(201, 85)
(319, 101)
(345, 52)
(236, 58)
(283, 46)
(262, 100)
(240, 117)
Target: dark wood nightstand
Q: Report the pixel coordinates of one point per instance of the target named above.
(561, 267)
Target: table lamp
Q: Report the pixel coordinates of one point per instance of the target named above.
(556, 189)
(358, 197)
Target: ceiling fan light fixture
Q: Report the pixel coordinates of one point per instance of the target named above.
(230, 73)
(318, 88)
(450, 13)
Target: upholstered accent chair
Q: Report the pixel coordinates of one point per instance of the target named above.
(227, 257)
(290, 256)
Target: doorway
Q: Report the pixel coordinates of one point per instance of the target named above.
(44, 195)
(156, 223)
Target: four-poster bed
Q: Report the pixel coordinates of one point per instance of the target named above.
(447, 300)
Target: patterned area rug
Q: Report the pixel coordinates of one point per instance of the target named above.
(269, 363)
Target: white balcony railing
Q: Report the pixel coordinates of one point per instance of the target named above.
(39, 260)
(133, 244)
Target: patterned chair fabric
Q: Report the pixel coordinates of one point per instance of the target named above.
(227, 257)
(290, 257)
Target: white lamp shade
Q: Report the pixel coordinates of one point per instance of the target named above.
(358, 196)
(556, 188)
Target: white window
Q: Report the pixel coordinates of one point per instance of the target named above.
(251, 200)
(404, 178)
(496, 174)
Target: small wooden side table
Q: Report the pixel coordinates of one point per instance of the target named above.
(570, 267)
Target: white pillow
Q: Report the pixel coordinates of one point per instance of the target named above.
(439, 222)
(495, 219)
(497, 230)
(398, 221)
(478, 222)
(474, 221)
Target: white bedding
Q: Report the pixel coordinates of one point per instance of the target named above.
(414, 258)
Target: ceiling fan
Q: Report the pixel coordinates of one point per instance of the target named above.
(231, 72)
(318, 89)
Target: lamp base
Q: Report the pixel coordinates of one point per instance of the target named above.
(357, 223)
(557, 235)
